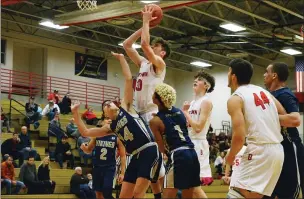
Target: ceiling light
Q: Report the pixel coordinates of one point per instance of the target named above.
(232, 27)
(291, 51)
(200, 64)
(149, 1)
(133, 45)
(50, 24)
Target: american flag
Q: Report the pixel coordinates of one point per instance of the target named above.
(300, 73)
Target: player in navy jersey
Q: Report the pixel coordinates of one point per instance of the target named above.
(134, 134)
(288, 185)
(170, 130)
(104, 161)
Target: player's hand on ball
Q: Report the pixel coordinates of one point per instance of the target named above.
(75, 105)
(120, 178)
(117, 55)
(147, 14)
(186, 106)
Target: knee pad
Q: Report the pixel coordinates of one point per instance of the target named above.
(234, 194)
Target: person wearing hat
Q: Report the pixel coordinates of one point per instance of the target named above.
(32, 114)
(55, 97)
(50, 110)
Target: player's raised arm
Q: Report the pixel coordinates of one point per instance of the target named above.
(156, 128)
(287, 120)
(235, 104)
(84, 131)
(128, 93)
(131, 52)
(157, 61)
(205, 110)
(88, 148)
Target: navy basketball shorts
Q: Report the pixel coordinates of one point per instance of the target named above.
(143, 165)
(184, 170)
(103, 178)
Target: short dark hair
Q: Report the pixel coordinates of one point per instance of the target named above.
(14, 133)
(208, 77)
(281, 69)
(30, 157)
(242, 69)
(165, 45)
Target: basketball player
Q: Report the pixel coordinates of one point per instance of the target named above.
(133, 132)
(254, 115)
(169, 127)
(104, 162)
(152, 71)
(288, 185)
(198, 114)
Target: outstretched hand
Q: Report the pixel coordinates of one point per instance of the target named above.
(75, 106)
(117, 55)
(147, 14)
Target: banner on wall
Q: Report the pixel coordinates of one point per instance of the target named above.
(91, 66)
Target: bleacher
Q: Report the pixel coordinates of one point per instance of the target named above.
(62, 177)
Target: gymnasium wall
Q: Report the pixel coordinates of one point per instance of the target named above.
(57, 59)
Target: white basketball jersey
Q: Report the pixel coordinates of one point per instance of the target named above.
(146, 82)
(261, 115)
(236, 166)
(194, 111)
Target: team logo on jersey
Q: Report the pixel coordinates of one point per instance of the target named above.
(113, 138)
(120, 114)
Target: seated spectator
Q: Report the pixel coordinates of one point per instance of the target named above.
(55, 128)
(5, 121)
(90, 184)
(63, 152)
(44, 176)
(4, 158)
(51, 110)
(72, 129)
(8, 176)
(55, 97)
(39, 111)
(82, 154)
(31, 109)
(79, 185)
(90, 117)
(28, 176)
(65, 104)
(26, 145)
(12, 147)
(218, 164)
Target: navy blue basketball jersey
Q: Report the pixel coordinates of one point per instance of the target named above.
(132, 131)
(176, 132)
(104, 153)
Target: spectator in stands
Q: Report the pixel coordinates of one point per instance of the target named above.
(26, 145)
(28, 175)
(8, 176)
(90, 184)
(82, 154)
(50, 110)
(31, 109)
(65, 105)
(79, 185)
(117, 101)
(55, 128)
(72, 129)
(5, 121)
(4, 158)
(39, 111)
(44, 176)
(55, 97)
(63, 152)
(12, 147)
(90, 117)
(218, 164)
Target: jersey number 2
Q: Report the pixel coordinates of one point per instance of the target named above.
(261, 102)
(103, 153)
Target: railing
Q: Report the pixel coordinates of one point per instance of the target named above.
(33, 84)
(12, 107)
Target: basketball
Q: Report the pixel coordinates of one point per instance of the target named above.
(158, 12)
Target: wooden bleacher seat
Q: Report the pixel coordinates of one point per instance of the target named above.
(40, 196)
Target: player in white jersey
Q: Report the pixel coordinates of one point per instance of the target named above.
(152, 71)
(254, 115)
(198, 114)
(235, 172)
